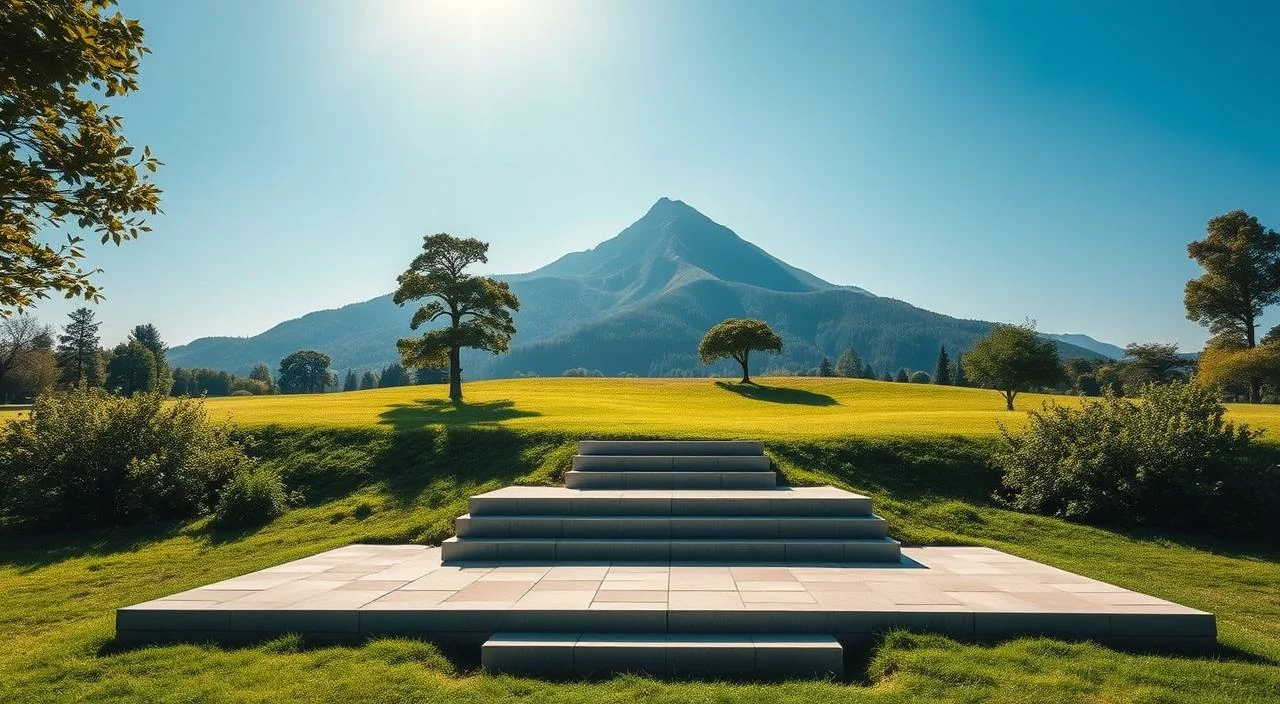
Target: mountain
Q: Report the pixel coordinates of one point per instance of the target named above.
(1105, 349)
(639, 302)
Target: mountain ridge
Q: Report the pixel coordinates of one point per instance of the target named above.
(637, 302)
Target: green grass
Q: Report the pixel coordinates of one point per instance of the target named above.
(397, 481)
(791, 408)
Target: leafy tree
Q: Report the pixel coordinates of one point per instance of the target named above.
(958, 378)
(1087, 385)
(1241, 260)
(1012, 358)
(64, 160)
(942, 371)
(476, 309)
(848, 364)
(247, 385)
(737, 338)
(132, 369)
(1154, 363)
(368, 380)
(78, 350)
(901, 376)
(149, 336)
(261, 372)
(824, 367)
(19, 337)
(305, 372)
(352, 383)
(393, 375)
(1224, 367)
(920, 378)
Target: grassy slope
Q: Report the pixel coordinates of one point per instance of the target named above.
(397, 481)
(792, 408)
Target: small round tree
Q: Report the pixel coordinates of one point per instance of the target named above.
(1012, 358)
(738, 338)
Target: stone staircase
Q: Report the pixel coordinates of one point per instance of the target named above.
(668, 502)
(671, 501)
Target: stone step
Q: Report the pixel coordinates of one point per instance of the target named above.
(759, 656)
(670, 480)
(778, 501)
(673, 463)
(670, 447)
(753, 527)
(752, 550)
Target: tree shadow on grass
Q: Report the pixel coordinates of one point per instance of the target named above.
(424, 412)
(778, 394)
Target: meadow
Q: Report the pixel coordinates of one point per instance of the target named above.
(397, 465)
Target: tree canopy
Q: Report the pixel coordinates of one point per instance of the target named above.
(64, 160)
(132, 370)
(737, 338)
(476, 310)
(1241, 261)
(305, 372)
(1012, 358)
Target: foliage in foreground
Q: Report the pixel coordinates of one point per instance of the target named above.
(1170, 460)
(85, 458)
(251, 498)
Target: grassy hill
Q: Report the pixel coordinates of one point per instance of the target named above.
(397, 465)
(778, 408)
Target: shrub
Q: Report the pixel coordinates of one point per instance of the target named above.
(1168, 460)
(252, 497)
(84, 458)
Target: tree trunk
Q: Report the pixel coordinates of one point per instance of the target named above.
(746, 375)
(1008, 399)
(455, 375)
(1255, 391)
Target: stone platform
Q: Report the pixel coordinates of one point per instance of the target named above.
(368, 590)
(678, 558)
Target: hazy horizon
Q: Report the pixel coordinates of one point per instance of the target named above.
(988, 160)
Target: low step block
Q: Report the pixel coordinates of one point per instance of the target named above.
(739, 527)
(739, 656)
(779, 501)
(456, 550)
(686, 463)
(670, 480)
(670, 447)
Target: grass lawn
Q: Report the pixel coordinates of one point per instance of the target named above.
(790, 408)
(397, 465)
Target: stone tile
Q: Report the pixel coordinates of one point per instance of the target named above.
(776, 598)
(609, 585)
(763, 574)
(371, 585)
(208, 595)
(446, 579)
(337, 599)
(574, 572)
(841, 587)
(566, 585)
(288, 593)
(704, 600)
(905, 593)
(551, 599)
(1120, 598)
(993, 601)
(702, 582)
(491, 591)
(1082, 587)
(778, 586)
(402, 599)
(630, 596)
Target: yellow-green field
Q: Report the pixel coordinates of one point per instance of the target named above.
(777, 408)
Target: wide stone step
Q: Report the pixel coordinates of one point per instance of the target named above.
(779, 501)
(670, 480)
(670, 447)
(751, 527)
(673, 655)
(672, 463)
(734, 550)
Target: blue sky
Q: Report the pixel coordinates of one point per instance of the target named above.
(1002, 160)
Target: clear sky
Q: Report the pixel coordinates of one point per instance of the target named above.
(1002, 160)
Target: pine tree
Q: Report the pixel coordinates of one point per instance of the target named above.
(942, 372)
(958, 378)
(901, 376)
(393, 375)
(351, 383)
(148, 336)
(78, 357)
(886, 377)
(869, 372)
(430, 375)
(824, 367)
(849, 364)
(368, 380)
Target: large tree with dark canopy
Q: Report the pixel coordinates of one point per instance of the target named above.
(1241, 261)
(65, 165)
(476, 310)
(1013, 358)
(305, 372)
(737, 338)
